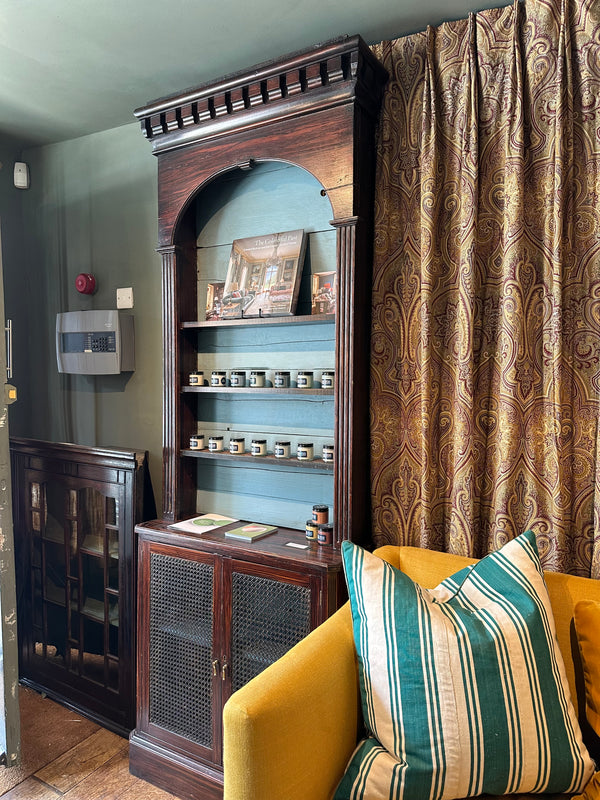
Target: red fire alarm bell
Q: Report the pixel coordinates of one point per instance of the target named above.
(85, 283)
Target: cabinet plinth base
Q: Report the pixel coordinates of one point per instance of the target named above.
(173, 772)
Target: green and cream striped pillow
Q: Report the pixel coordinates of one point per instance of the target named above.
(463, 686)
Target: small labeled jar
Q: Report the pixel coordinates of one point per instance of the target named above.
(327, 379)
(312, 530)
(304, 380)
(259, 447)
(197, 441)
(320, 514)
(282, 380)
(215, 443)
(328, 451)
(237, 445)
(218, 378)
(325, 534)
(196, 378)
(257, 378)
(306, 451)
(282, 450)
(237, 378)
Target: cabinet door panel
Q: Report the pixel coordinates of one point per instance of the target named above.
(74, 556)
(179, 656)
(270, 612)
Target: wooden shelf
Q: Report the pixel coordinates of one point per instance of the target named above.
(267, 391)
(249, 460)
(302, 319)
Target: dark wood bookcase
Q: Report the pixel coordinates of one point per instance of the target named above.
(213, 612)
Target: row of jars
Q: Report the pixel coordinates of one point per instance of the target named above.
(305, 451)
(281, 379)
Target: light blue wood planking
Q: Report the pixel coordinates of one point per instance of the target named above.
(286, 513)
(272, 197)
(277, 496)
(238, 411)
(270, 338)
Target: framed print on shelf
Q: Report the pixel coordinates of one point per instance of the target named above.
(214, 299)
(263, 277)
(323, 292)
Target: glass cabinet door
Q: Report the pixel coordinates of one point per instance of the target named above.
(75, 579)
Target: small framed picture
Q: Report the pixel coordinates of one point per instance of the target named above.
(323, 292)
(263, 277)
(214, 300)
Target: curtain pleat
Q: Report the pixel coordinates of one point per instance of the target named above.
(485, 384)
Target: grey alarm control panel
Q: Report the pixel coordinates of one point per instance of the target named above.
(94, 342)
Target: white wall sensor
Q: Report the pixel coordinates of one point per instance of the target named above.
(21, 175)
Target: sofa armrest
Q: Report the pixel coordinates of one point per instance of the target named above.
(289, 733)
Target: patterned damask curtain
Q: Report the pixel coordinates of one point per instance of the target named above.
(485, 354)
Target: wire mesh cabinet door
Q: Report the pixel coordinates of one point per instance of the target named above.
(271, 611)
(179, 685)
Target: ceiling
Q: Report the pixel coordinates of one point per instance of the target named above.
(72, 67)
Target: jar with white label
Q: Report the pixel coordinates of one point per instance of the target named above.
(306, 451)
(304, 380)
(237, 445)
(197, 441)
(257, 379)
(215, 443)
(328, 451)
(259, 447)
(282, 380)
(282, 450)
(218, 378)
(196, 378)
(237, 378)
(327, 379)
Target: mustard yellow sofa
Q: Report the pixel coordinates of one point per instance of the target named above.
(289, 733)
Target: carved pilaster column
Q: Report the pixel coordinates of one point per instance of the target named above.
(171, 421)
(352, 384)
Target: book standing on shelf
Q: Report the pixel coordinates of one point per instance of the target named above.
(263, 277)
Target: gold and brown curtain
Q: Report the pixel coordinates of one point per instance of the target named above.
(485, 386)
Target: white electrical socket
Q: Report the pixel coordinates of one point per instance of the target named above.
(21, 175)
(125, 298)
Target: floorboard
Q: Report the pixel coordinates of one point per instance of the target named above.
(66, 756)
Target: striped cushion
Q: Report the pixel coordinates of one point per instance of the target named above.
(463, 686)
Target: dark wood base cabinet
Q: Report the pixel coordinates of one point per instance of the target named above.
(212, 614)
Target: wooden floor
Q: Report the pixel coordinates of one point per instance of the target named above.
(66, 756)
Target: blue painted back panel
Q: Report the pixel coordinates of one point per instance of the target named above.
(272, 197)
(278, 497)
(244, 411)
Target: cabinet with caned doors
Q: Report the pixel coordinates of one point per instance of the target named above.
(74, 514)
(212, 611)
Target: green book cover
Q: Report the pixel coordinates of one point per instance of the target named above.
(250, 532)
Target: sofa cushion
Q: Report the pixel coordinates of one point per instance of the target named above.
(463, 686)
(586, 616)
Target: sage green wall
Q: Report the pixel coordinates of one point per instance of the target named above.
(16, 276)
(92, 207)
